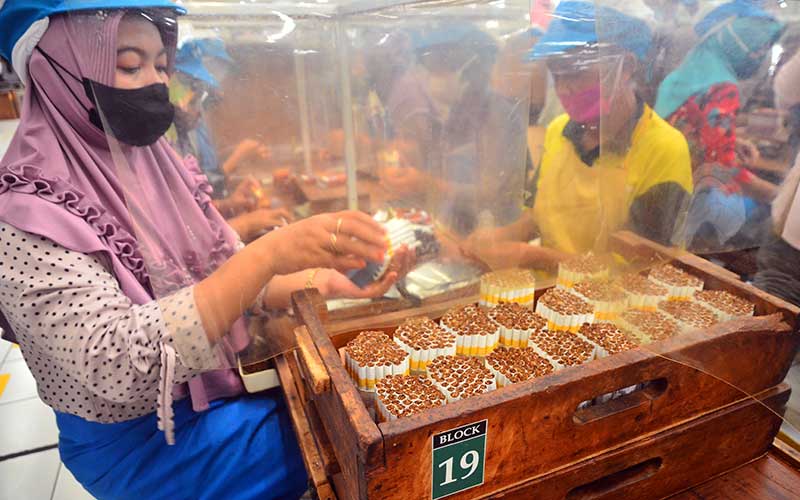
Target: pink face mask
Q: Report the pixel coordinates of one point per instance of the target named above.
(586, 106)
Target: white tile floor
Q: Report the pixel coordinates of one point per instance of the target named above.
(27, 424)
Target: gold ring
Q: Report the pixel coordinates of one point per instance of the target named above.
(333, 244)
(338, 226)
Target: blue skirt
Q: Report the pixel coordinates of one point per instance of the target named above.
(242, 448)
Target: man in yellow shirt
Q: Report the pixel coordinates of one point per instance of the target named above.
(610, 162)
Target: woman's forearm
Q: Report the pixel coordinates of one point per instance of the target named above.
(229, 291)
(279, 291)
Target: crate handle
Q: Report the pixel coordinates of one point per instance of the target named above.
(616, 402)
(610, 483)
(310, 363)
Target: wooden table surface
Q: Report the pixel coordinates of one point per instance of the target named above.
(768, 478)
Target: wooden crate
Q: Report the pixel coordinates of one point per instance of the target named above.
(671, 461)
(535, 428)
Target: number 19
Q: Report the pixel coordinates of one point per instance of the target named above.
(469, 460)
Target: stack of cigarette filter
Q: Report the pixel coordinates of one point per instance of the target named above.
(516, 324)
(564, 311)
(372, 356)
(476, 334)
(511, 366)
(508, 285)
(424, 340)
(689, 315)
(642, 294)
(460, 377)
(607, 299)
(400, 396)
(581, 268)
(647, 326)
(726, 305)
(607, 337)
(563, 348)
(680, 284)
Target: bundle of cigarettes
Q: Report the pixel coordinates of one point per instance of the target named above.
(404, 395)
(424, 340)
(511, 366)
(647, 326)
(371, 356)
(607, 299)
(642, 294)
(508, 285)
(607, 337)
(564, 310)
(562, 348)
(460, 377)
(581, 268)
(680, 284)
(724, 304)
(417, 238)
(689, 315)
(516, 324)
(476, 334)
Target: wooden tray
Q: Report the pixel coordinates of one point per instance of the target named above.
(655, 466)
(535, 428)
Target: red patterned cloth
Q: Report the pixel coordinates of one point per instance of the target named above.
(708, 121)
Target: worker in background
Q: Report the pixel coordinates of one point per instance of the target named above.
(702, 99)
(194, 89)
(455, 128)
(610, 162)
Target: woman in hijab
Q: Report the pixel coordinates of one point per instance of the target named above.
(122, 284)
(702, 99)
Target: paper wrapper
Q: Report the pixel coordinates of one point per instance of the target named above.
(419, 358)
(642, 302)
(563, 322)
(477, 345)
(677, 293)
(365, 377)
(514, 337)
(493, 295)
(605, 310)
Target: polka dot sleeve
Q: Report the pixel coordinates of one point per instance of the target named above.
(71, 319)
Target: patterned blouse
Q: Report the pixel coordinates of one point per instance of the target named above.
(708, 121)
(92, 351)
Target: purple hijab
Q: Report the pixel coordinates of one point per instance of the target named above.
(58, 180)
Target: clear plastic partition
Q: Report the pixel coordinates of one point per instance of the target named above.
(573, 161)
(696, 142)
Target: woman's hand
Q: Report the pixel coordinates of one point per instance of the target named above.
(251, 148)
(250, 225)
(243, 198)
(245, 150)
(343, 240)
(334, 285)
(747, 152)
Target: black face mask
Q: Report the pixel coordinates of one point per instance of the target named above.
(137, 117)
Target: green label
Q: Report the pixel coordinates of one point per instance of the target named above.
(458, 459)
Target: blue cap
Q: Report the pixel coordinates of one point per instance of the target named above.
(16, 16)
(736, 8)
(189, 59)
(574, 25)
